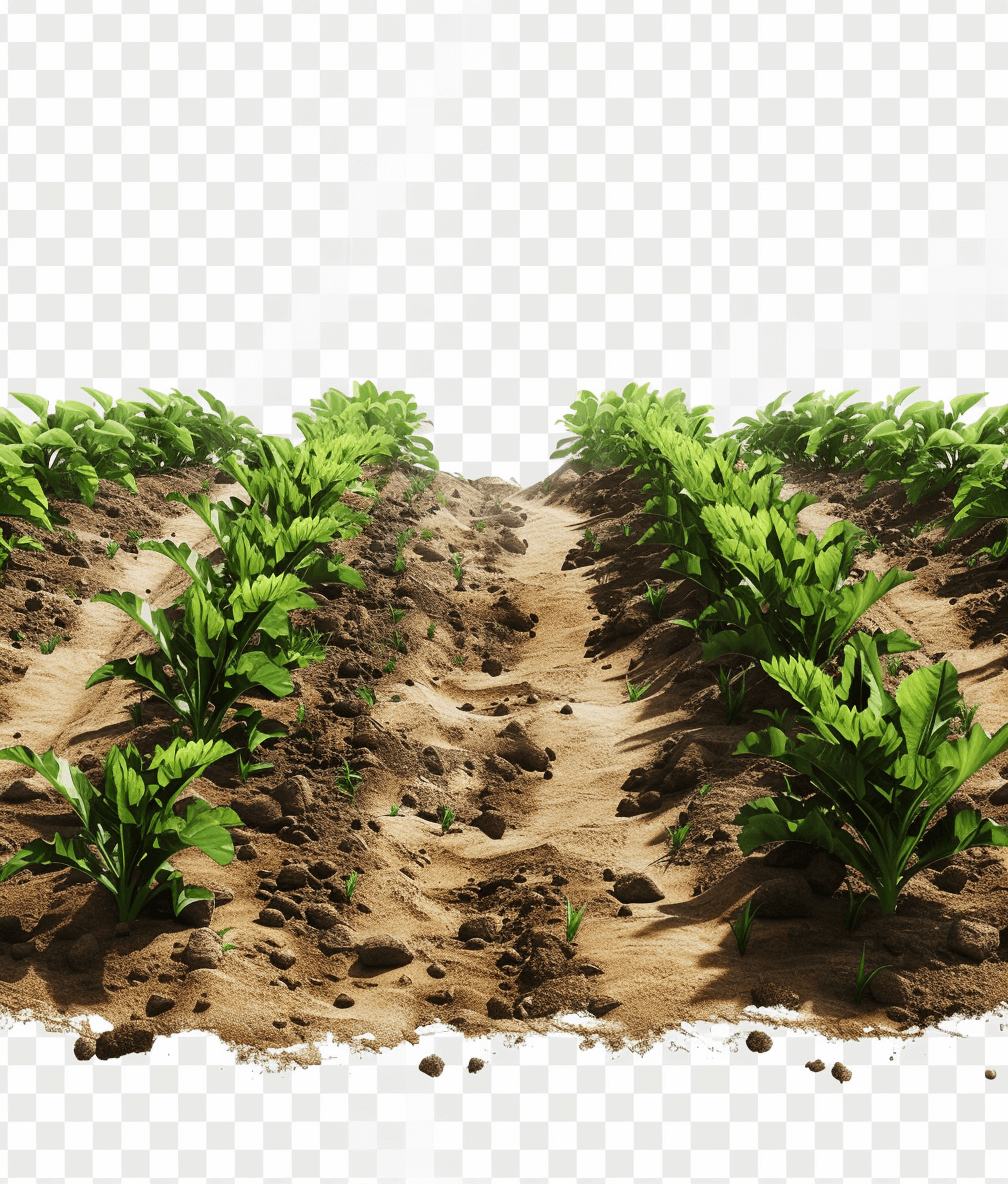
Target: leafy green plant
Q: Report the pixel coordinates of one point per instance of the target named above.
(133, 535)
(626, 530)
(70, 590)
(350, 884)
(247, 766)
(964, 716)
(110, 548)
(734, 697)
(227, 945)
(893, 663)
(882, 767)
(300, 717)
(399, 641)
(635, 692)
(136, 712)
(393, 812)
(704, 790)
(430, 630)
(457, 569)
(481, 525)
(447, 818)
(367, 695)
(778, 716)
(458, 659)
(574, 919)
(863, 981)
(743, 925)
(427, 535)
(389, 666)
(397, 614)
(206, 485)
(16, 635)
(869, 546)
(656, 598)
(129, 827)
(47, 647)
(545, 485)
(347, 781)
(677, 836)
(854, 908)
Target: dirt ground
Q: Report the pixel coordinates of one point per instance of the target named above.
(561, 787)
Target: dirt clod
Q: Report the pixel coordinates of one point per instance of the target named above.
(758, 1041)
(840, 1072)
(432, 1065)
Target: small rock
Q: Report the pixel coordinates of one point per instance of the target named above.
(35, 585)
(198, 913)
(758, 1042)
(203, 951)
(608, 875)
(293, 876)
(322, 916)
(566, 709)
(246, 853)
(84, 1048)
(650, 800)
(815, 1066)
(492, 824)
(84, 954)
(824, 873)
(33, 604)
(323, 869)
(917, 563)
(990, 1074)
(841, 1072)
(1000, 796)
(492, 667)
(790, 854)
(600, 1005)
(440, 998)
(475, 943)
(282, 959)
(486, 927)
(436, 970)
(432, 1065)
(899, 1015)
(953, 879)
(338, 940)
(973, 939)
(624, 911)
(343, 1001)
(122, 929)
(636, 888)
(222, 896)
(260, 812)
(384, 951)
(475, 1064)
(294, 795)
(499, 1009)
(773, 994)
(158, 1005)
(123, 1040)
(784, 897)
(282, 903)
(201, 1005)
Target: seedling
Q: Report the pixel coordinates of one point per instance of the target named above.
(400, 565)
(16, 635)
(626, 530)
(870, 546)
(430, 630)
(458, 659)
(136, 713)
(854, 908)
(70, 590)
(893, 664)
(367, 695)
(248, 765)
(206, 485)
(655, 597)
(395, 810)
(734, 700)
(743, 926)
(133, 535)
(397, 614)
(389, 666)
(777, 716)
(67, 535)
(350, 883)
(635, 692)
(481, 525)
(110, 548)
(589, 534)
(677, 836)
(545, 485)
(347, 780)
(47, 647)
(704, 790)
(300, 718)
(863, 982)
(447, 818)
(964, 716)
(457, 569)
(574, 919)
(399, 641)
(442, 499)
(220, 933)
(402, 538)
(427, 535)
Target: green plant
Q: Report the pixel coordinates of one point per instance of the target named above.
(367, 695)
(347, 781)
(882, 767)
(656, 598)
(626, 530)
(635, 692)
(389, 666)
(136, 712)
(777, 716)
(862, 981)
(447, 818)
(457, 569)
(206, 485)
(734, 699)
(704, 790)
(400, 565)
(869, 546)
(458, 659)
(220, 933)
(853, 914)
(545, 485)
(677, 836)
(16, 635)
(133, 535)
(70, 590)
(430, 630)
(397, 614)
(110, 548)
(247, 766)
(964, 716)
(350, 883)
(394, 810)
(427, 535)
(47, 647)
(300, 717)
(399, 641)
(743, 925)
(574, 919)
(129, 827)
(480, 526)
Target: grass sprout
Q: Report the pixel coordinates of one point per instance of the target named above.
(367, 695)
(347, 781)
(349, 884)
(854, 908)
(110, 548)
(430, 630)
(395, 810)
(447, 818)
(47, 647)
(574, 919)
(743, 926)
(734, 700)
(655, 597)
(397, 614)
(863, 981)
(635, 692)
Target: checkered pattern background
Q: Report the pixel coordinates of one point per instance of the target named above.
(492, 205)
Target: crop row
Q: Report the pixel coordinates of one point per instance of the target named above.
(880, 767)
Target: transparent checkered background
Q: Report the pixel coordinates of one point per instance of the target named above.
(493, 205)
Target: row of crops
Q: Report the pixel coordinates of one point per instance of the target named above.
(229, 633)
(881, 766)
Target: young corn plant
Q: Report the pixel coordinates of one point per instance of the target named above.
(427, 535)
(47, 647)
(656, 598)
(389, 666)
(481, 525)
(677, 836)
(704, 790)
(743, 926)
(399, 641)
(367, 695)
(893, 663)
(574, 919)
(457, 569)
(397, 614)
(863, 981)
(347, 781)
(430, 630)
(734, 698)
(458, 659)
(447, 818)
(136, 712)
(129, 828)
(350, 884)
(393, 812)
(855, 907)
(111, 547)
(227, 945)
(635, 692)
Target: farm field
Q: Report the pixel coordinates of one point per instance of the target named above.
(545, 737)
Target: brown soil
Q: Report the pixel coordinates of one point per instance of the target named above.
(561, 787)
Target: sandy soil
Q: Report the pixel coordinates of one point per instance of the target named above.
(561, 787)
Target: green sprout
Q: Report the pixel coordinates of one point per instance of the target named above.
(447, 818)
(458, 659)
(480, 526)
(350, 883)
(395, 810)
(220, 933)
(397, 614)
(854, 908)
(457, 569)
(626, 530)
(870, 546)
(430, 630)
(677, 837)
(206, 485)
(133, 535)
(136, 713)
(574, 919)
(743, 925)
(778, 716)
(47, 647)
(16, 635)
(427, 535)
(704, 790)
(893, 663)
(248, 765)
(367, 695)
(863, 982)
(389, 666)
(635, 692)
(110, 548)
(400, 565)
(347, 781)
(734, 700)
(300, 714)
(655, 597)
(399, 641)
(545, 485)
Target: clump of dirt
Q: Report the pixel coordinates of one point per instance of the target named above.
(512, 712)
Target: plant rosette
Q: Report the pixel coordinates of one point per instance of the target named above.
(129, 829)
(882, 768)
